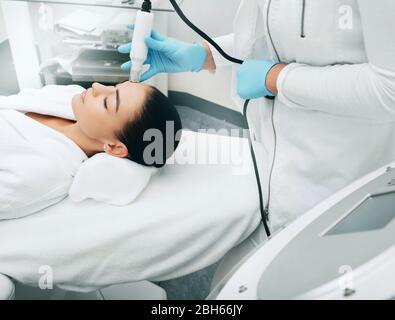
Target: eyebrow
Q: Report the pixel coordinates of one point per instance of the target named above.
(118, 100)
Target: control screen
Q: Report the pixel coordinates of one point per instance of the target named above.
(374, 213)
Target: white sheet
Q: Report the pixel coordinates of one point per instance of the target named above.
(188, 218)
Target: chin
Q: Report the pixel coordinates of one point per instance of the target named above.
(74, 105)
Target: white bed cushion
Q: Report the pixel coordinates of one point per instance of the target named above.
(109, 179)
(186, 219)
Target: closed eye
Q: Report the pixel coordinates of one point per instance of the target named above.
(105, 103)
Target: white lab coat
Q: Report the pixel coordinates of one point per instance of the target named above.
(335, 111)
(37, 163)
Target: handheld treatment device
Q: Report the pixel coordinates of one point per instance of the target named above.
(142, 28)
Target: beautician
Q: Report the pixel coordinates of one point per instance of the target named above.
(329, 67)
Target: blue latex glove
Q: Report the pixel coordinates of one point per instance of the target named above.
(251, 79)
(168, 55)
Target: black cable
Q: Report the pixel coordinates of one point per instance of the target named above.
(237, 61)
(203, 34)
(302, 31)
(269, 191)
(264, 214)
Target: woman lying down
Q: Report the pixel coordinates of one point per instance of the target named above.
(46, 134)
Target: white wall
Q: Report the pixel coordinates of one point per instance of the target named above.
(3, 33)
(215, 18)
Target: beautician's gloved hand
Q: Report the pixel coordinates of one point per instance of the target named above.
(168, 55)
(251, 79)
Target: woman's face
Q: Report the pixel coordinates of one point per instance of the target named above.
(102, 111)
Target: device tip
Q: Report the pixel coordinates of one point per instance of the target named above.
(135, 76)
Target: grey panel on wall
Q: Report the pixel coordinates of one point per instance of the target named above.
(216, 111)
(8, 79)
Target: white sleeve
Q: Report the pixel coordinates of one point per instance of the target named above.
(362, 90)
(227, 44)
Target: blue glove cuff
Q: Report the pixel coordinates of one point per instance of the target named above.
(251, 79)
(200, 56)
(268, 93)
(269, 66)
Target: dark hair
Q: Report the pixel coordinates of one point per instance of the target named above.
(159, 115)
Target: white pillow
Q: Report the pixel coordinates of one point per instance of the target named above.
(109, 179)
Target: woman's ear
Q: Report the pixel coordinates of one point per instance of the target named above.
(117, 149)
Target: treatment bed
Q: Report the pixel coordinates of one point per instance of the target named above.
(187, 218)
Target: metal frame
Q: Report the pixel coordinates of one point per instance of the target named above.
(93, 4)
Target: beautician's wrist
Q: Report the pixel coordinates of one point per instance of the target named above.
(272, 76)
(210, 63)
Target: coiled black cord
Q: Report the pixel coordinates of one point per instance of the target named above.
(237, 61)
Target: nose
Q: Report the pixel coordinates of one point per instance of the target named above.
(98, 89)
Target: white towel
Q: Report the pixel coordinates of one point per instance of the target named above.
(37, 163)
